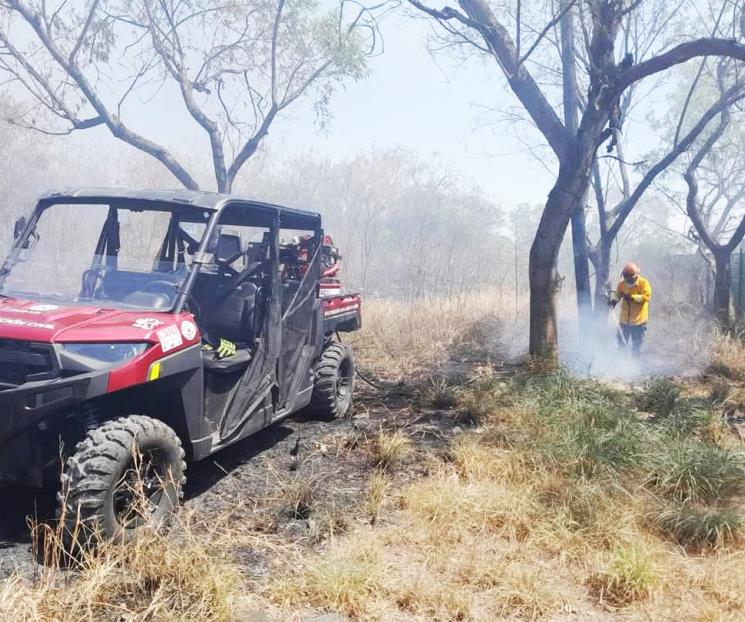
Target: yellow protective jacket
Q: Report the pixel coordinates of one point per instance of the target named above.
(636, 311)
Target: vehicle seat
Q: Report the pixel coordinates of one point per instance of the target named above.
(226, 311)
(228, 251)
(226, 365)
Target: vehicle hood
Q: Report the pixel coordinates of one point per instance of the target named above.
(50, 323)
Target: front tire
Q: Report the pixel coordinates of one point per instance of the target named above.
(125, 474)
(334, 383)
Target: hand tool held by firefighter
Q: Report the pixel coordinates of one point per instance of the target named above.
(611, 298)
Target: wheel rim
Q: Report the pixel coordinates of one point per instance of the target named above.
(344, 383)
(139, 491)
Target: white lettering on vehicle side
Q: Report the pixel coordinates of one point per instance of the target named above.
(169, 337)
(12, 321)
(341, 310)
(42, 308)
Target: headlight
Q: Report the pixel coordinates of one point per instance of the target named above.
(112, 353)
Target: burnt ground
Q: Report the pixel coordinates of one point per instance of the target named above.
(250, 480)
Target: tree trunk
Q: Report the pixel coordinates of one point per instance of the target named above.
(571, 107)
(722, 284)
(571, 183)
(581, 261)
(602, 274)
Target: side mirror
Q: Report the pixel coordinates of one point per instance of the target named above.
(19, 227)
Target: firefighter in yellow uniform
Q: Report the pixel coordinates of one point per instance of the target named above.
(633, 292)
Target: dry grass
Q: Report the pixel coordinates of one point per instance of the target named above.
(403, 339)
(376, 495)
(174, 574)
(728, 358)
(439, 393)
(564, 501)
(390, 449)
(630, 577)
(156, 577)
(347, 579)
(570, 500)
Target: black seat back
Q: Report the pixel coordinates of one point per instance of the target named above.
(226, 311)
(228, 248)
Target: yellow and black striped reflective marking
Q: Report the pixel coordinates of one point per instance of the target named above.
(225, 348)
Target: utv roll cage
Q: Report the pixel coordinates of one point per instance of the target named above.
(186, 206)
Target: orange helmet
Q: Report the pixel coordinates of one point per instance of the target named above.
(630, 270)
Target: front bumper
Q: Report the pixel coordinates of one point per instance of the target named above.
(31, 403)
(30, 431)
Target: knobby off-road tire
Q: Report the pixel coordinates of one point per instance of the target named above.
(334, 383)
(124, 474)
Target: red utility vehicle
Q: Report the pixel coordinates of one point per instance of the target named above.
(143, 329)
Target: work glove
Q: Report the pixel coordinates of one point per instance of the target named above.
(225, 349)
(627, 297)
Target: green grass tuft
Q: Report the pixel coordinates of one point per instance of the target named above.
(699, 527)
(689, 470)
(630, 577)
(661, 397)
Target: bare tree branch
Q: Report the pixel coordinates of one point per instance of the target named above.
(680, 54)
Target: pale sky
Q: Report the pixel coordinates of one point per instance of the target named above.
(439, 112)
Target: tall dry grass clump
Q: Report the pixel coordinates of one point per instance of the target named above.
(400, 339)
(149, 573)
(178, 576)
(727, 358)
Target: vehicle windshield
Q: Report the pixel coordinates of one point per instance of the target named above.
(105, 255)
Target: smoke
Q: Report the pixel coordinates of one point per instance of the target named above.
(672, 347)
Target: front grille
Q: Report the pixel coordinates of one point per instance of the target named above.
(22, 362)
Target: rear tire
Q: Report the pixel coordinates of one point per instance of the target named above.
(109, 489)
(334, 383)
